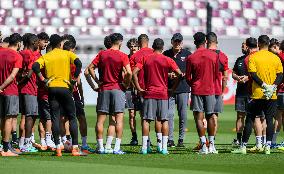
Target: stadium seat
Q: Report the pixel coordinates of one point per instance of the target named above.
(249, 13)
(30, 4)
(177, 4)
(63, 12)
(109, 13)
(22, 21)
(153, 31)
(229, 21)
(74, 30)
(119, 4)
(52, 4)
(277, 31)
(11, 21)
(86, 13)
(50, 13)
(217, 22)
(178, 13)
(101, 21)
(143, 13)
(126, 22)
(28, 13)
(107, 30)
(50, 30)
(61, 30)
(166, 5)
(188, 4)
(17, 12)
(271, 13)
(57, 22)
(160, 21)
(110, 4)
(186, 31)
(269, 4)
(3, 12)
(234, 5)
(171, 22)
(97, 13)
(133, 4)
(216, 13)
(237, 13)
(232, 31)
(114, 21)
(39, 12)
(201, 13)
(223, 4)
(182, 21)
(45, 21)
(16, 3)
(279, 5)
(226, 14)
(38, 29)
(6, 30)
(41, 4)
(164, 31)
(255, 31)
(244, 31)
(168, 13)
(75, 12)
(156, 13)
(137, 21)
(95, 30)
(64, 4)
(100, 4)
(132, 13)
(200, 4)
(247, 4)
(121, 12)
(87, 4)
(261, 13)
(140, 29)
(252, 22)
(148, 22)
(68, 21)
(34, 21)
(240, 22)
(118, 29)
(192, 22)
(190, 13)
(257, 5)
(263, 22)
(91, 21)
(75, 4)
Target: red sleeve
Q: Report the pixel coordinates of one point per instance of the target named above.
(188, 70)
(97, 59)
(246, 62)
(125, 59)
(18, 62)
(139, 65)
(224, 61)
(172, 64)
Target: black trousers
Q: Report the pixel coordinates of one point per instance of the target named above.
(57, 97)
(258, 107)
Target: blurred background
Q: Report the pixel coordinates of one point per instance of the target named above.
(91, 20)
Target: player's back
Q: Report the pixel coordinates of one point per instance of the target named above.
(111, 63)
(202, 67)
(156, 68)
(57, 66)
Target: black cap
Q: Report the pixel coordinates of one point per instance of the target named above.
(177, 36)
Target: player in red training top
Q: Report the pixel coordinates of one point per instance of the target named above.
(111, 99)
(200, 75)
(10, 63)
(156, 67)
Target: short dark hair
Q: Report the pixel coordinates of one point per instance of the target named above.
(68, 45)
(143, 37)
(158, 44)
(273, 42)
(116, 37)
(26, 38)
(263, 40)
(70, 38)
(43, 36)
(15, 38)
(282, 45)
(211, 37)
(6, 39)
(130, 41)
(55, 40)
(199, 38)
(251, 42)
(107, 42)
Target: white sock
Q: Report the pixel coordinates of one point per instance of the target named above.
(33, 138)
(22, 141)
(58, 146)
(100, 143)
(84, 141)
(274, 138)
(60, 140)
(28, 142)
(75, 146)
(212, 140)
(144, 142)
(117, 144)
(48, 136)
(268, 143)
(165, 142)
(159, 140)
(203, 140)
(264, 139)
(108, 142)
(64, 139)
(258, 141)
(42, 141)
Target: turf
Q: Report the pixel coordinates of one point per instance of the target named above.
(180, 160)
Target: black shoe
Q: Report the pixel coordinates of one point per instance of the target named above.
(133, 142)
(180, 143)
(171, 143)
(15, 142)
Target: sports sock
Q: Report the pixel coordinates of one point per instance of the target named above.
(165, 142)
(68, 137)
(22, 142)
(108, 142)
(212, 140)
(268, 143)
(144, 142)
(239, 137)
(203, 140)
(28, 142)
(48, 137)
(134, 135)
(58, 146)
(264, 139)
(14, 136)
(274, 138)
(100, 143)
(84, 141)
(244, 144)
(33, 138)
(258, 141)
(42, 141)
(159, 140)
(75, 146)
(64, 139)
(117, 144)
(148, 142)
(5, 146)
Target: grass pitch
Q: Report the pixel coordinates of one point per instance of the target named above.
(180, 160)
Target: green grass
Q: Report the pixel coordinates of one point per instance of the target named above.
(180, 160)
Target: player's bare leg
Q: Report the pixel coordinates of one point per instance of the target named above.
(119, 132)
(212, 129)
(258, 132)
(22, 131)
(145, 135)
(159, 135)
(15, 140)
(165, 136)
(132, 125)
(264, 126)
(101, 117)
(110, 134)
(240, 125)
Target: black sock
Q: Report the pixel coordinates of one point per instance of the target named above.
(14, 136)
(68, 137)
(5, 146)
(134, 135)
(239, 137)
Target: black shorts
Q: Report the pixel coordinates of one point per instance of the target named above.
(43, 109)
(80, 111)
(241, 104)
(260, 107)
(280, 101)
